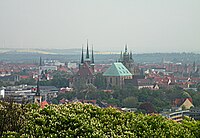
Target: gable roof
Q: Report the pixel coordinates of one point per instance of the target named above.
(117, 69)
(187, 103)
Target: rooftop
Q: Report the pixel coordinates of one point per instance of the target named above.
(117, 69)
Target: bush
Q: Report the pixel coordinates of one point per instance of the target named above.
(85, 120)
(11, 116)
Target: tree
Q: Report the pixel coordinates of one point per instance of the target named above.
(59, 82)
(11, 116)
(99, 81)
(86, 120)
(147, 107)
(130, 102)
(29, 81)
(198, 87)
(90, 88)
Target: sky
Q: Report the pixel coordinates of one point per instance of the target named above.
(146, 26)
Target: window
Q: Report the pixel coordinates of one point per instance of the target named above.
(110, 80)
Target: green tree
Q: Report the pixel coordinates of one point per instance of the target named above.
(11, 116)
(130, 102)
(198, 87)
(29, 81)
(59, 82)
(99, 81)
(85, 120)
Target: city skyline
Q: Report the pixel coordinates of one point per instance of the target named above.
(146, 26)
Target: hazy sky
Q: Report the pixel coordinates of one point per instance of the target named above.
(145, 25)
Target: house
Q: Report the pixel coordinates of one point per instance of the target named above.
(139, 81)
(185, 102)
(147, 83)
(19, 93)
(2, 93)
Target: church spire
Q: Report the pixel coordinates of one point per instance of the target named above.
(82, 58)
(92, 56)
(38, 97)
(38, 88)
(40, 61)
(125, 48)
(87, 54)
(121, 58)
(131, 55)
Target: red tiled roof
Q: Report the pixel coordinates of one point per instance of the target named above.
(43, 104)
(24, 77)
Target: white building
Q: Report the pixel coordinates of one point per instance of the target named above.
(2, 93)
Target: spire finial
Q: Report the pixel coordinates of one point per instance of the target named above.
(92, 55)
(40, 61)
(131, 55)
(126, 48)
(38, 88)
(87, 54)
(82, 58)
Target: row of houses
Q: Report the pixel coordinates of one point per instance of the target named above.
(26, 93)
(126, 72)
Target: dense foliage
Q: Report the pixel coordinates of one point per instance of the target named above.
(85, 120)
(133, 98)
(11, 116)
(60, 79)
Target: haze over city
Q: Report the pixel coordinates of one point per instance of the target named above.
(146, 26)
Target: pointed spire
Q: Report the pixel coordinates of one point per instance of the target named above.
(92, 55)
(82, 58)
(38, 88)
(126, 48)
(131, 55)
(40, 61)
(87, 54)
(121, 58)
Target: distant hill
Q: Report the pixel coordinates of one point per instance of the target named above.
(74, 55)
(73, 51)
(41, 51)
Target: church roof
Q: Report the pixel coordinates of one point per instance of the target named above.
(117, 69)
(85, 71)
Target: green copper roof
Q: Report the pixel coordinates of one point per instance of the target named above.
(117, 69)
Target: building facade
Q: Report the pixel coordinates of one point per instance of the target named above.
(85, 74)
(126, 58)
(116, 74)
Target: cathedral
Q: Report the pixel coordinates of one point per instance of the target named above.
(126, 58)
(85, 74)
